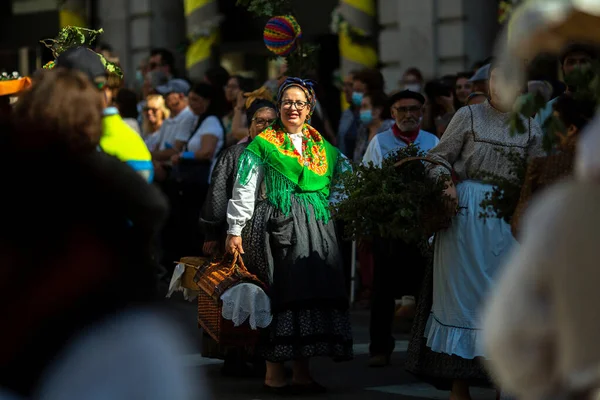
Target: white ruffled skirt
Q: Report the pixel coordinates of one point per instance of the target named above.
(467, 259)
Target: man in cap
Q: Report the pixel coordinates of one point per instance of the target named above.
(118, 139)
(176, 131)
(407, 111)
(389, 278)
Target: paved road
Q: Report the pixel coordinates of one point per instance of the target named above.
(348, 381)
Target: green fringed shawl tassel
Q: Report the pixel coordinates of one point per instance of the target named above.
(280, 190)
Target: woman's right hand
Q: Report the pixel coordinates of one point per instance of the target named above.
(240, 102)
(452, 197)
(233, 244)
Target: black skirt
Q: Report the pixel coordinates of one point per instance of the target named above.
(298, 258)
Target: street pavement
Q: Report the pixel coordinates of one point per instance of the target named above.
(349, 381)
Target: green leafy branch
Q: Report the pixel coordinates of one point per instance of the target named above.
(74, 36)
(71, 36)
(502, 201)
(584, 84)
(267, 8)
(391, 202)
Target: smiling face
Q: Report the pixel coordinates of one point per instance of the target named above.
(153, 111)
(463, 89)
(262, 119)
(294, 108)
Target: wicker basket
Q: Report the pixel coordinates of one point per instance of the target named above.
(213, 280)
(432, 219)
(192, 265)
(541, 173)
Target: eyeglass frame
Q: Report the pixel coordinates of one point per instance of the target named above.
(294, 103)
(408, 109)
(265, 122)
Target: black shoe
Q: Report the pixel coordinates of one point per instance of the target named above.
(309, 388)
(286, 390)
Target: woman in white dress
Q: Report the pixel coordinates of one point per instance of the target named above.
(469, 254)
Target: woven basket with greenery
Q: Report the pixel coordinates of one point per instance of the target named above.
(397, 201)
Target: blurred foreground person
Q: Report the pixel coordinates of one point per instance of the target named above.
(82, 252)
(541, 325)
(118, 139)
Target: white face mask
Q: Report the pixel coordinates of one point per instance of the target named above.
(413, 87)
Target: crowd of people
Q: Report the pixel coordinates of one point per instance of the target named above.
(238, 167)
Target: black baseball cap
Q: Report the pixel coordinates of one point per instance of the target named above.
(85, 60)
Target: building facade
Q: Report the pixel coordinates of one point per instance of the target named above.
(437, 36)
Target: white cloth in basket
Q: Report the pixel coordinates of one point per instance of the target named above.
(247, 301)
(175, 284)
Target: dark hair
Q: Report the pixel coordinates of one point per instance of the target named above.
(126, 101)
(414, 71)
(380, 100)
(573, 111)
(217, 76)
(245, 84)
(590, 50)
(478, 64)
(62, 109)
(437, 88)
(372, 78)
(216, 97)
(166, 56)
(104, 47)
(464, 75)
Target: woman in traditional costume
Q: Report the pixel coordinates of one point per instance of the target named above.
(261, 112)
(292, 240)
(447, 340)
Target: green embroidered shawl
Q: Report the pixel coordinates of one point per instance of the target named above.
(306, 177)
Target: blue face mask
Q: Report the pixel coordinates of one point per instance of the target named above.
(366, 116)
(357, 98)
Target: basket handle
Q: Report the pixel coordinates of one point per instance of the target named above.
(427, 159)
(236, 263)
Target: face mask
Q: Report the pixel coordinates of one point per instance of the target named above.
(366, 116)
(413, 87)
(357, 98)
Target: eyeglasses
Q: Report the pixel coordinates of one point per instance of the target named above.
(262, 122)
(409, 109)
(288, 104)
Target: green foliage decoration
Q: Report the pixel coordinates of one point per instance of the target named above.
(502, 201)
(584, 84)
(267, 8)
(391, 202)
(73, 36)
